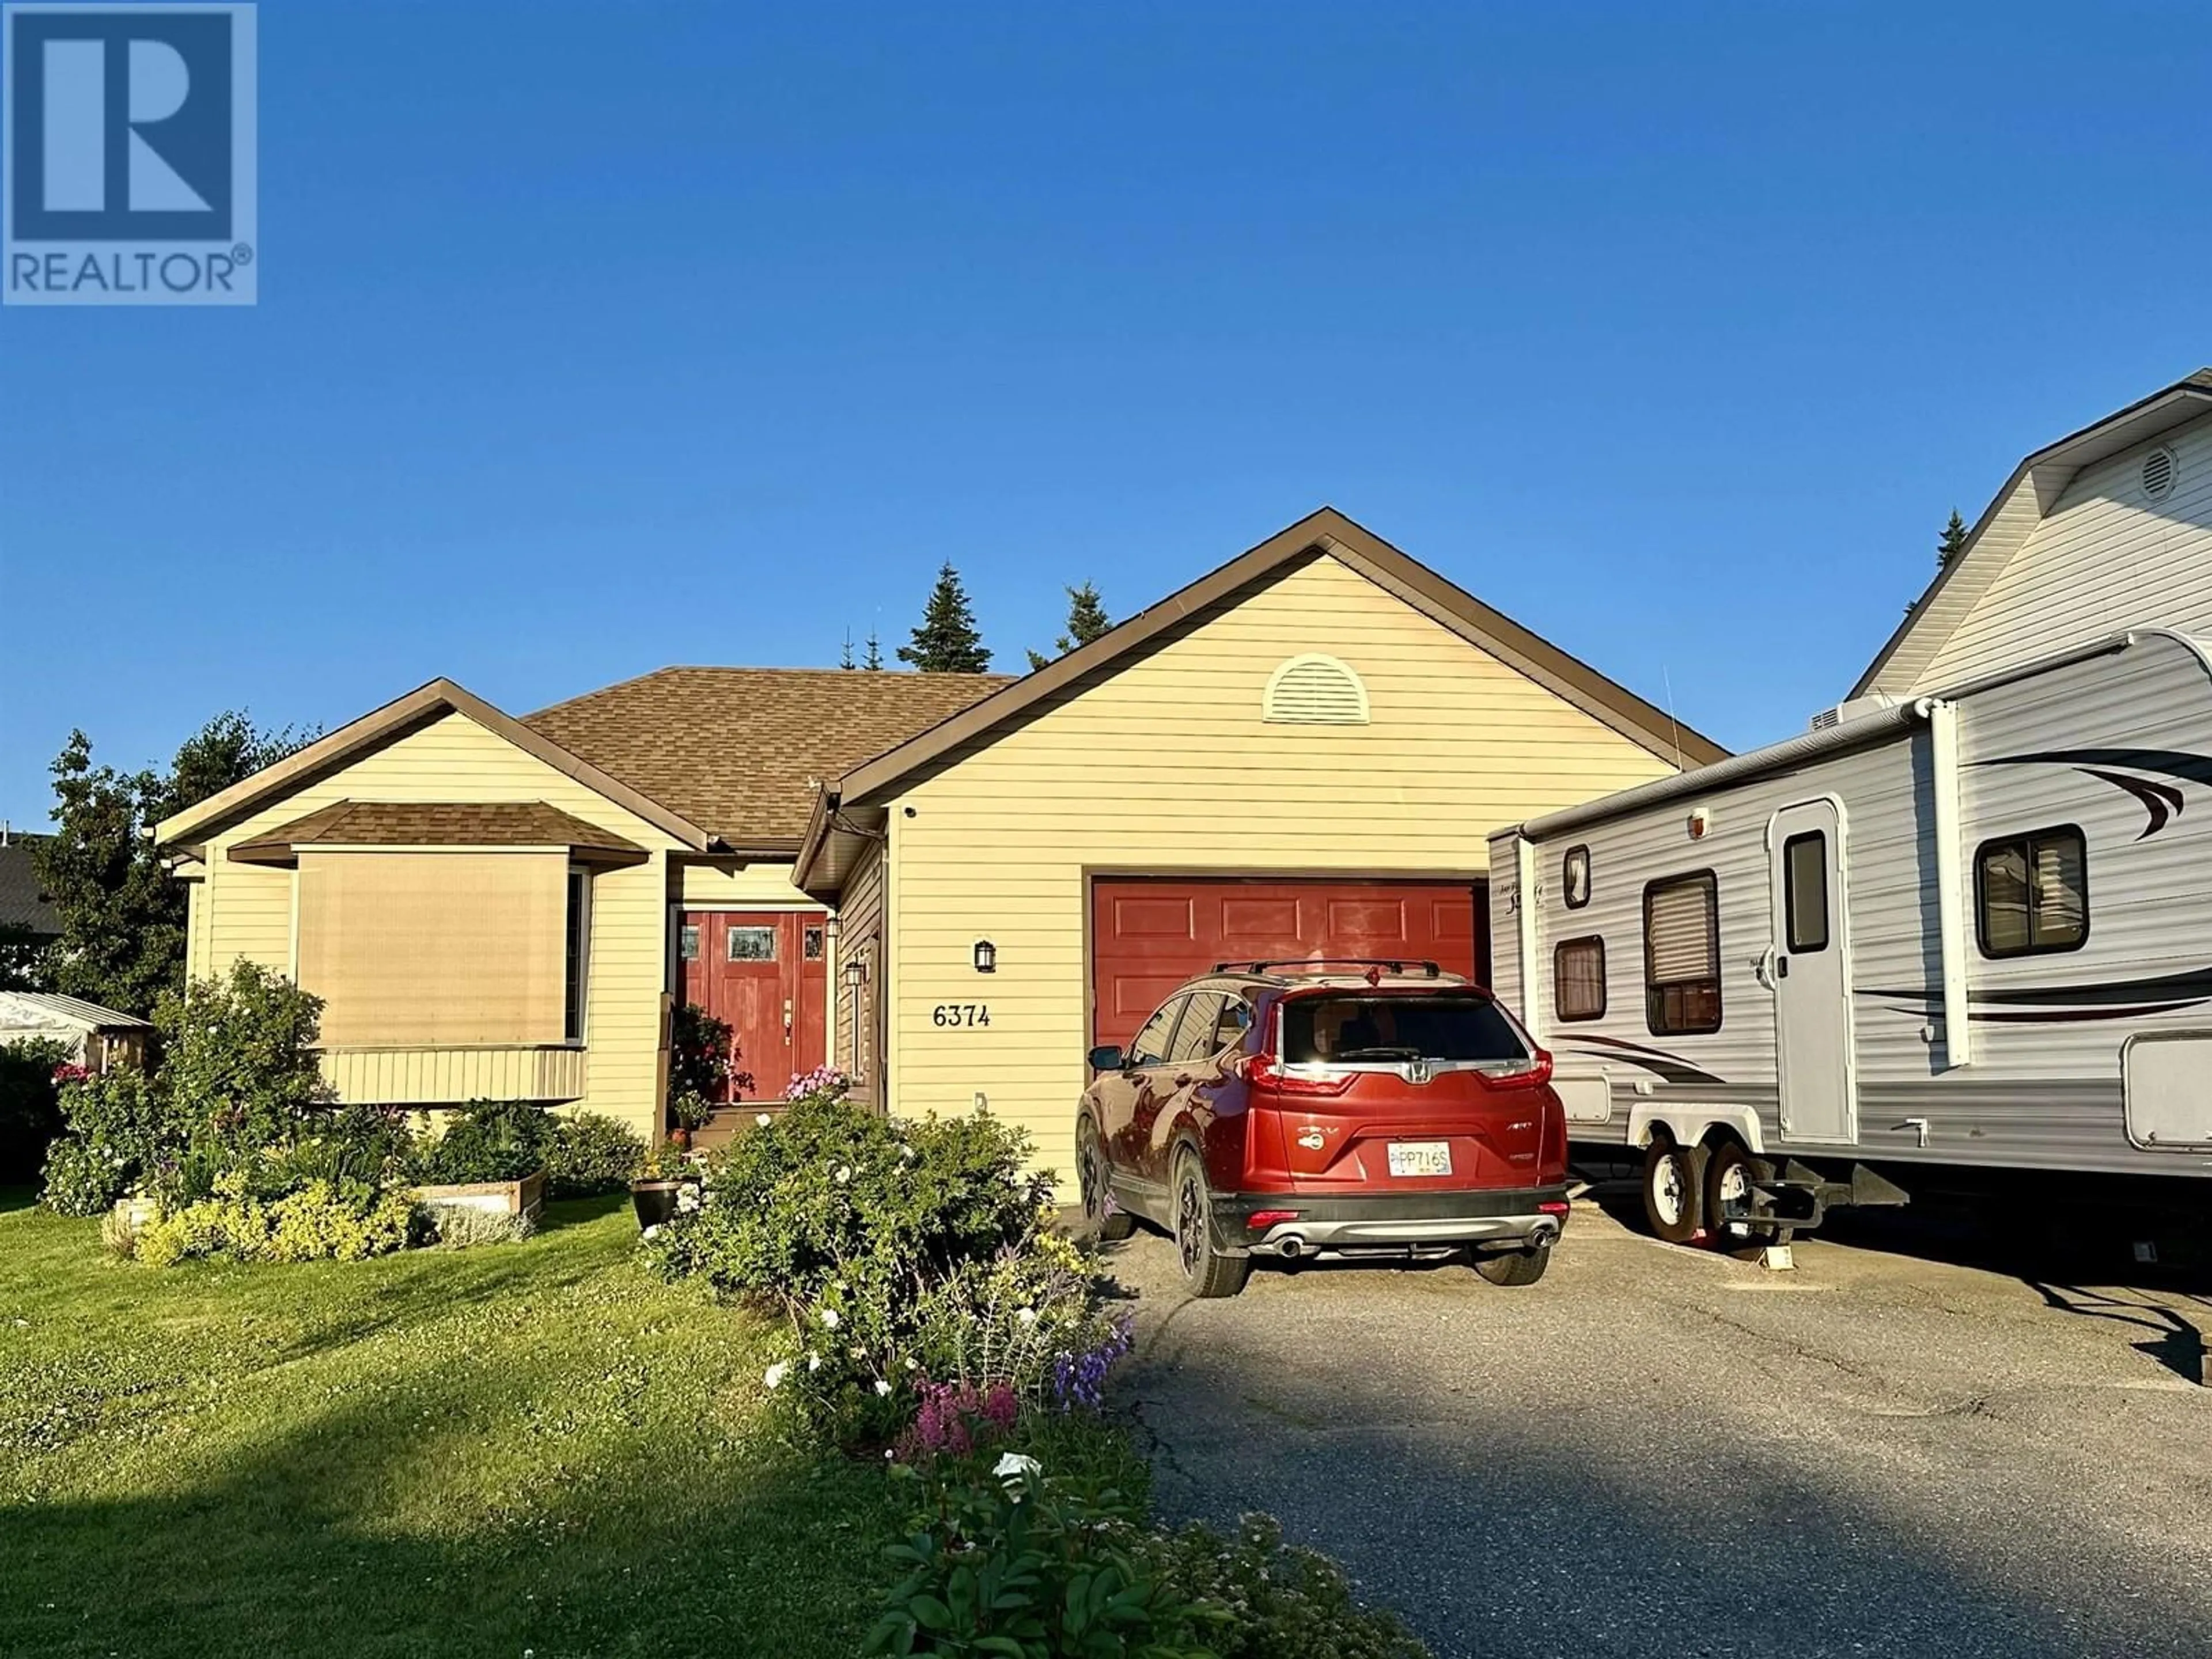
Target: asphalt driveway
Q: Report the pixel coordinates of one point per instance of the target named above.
(1657, 1451)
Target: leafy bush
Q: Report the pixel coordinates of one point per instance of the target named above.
(120, 1130)
(489, 1141)
(1278, 1599)
(322, 1221)
(30, 1104)
(83, 1177)
(592, 1154)
(1016, 1564)
(702, 1056)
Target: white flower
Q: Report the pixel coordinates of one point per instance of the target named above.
(1013, 1468)
(829, 1317)
(906, 1152)
(844, 1173)
(651, 1232)
(910, 1362)
(1027, 1315)
(813, 1362)
(761, 1121)
(775, 1373)
(881, 1386)
(687, 1199)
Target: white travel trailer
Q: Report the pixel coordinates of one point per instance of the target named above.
(1970, 929)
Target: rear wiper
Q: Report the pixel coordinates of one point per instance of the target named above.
(1378, 1053)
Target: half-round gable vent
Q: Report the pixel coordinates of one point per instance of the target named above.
(2158, 473)
(1315, 690)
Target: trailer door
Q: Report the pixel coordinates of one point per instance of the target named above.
(1807, 971)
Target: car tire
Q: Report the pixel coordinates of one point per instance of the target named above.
(1094, 1176)
(1730, 1172)
(1206, 1271)
(1514, 1266)
(1674, 1190)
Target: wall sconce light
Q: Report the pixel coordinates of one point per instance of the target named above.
(856, 972)
(987, 957)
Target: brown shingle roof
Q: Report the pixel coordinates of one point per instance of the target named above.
(733, 749)
(433, 824)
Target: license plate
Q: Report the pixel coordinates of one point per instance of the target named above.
(1420, 1158)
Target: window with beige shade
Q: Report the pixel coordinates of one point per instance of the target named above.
(424, 949)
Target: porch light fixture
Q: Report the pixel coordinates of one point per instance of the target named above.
(856, 972)
(987, 957)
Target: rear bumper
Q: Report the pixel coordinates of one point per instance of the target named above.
(1389, 1221)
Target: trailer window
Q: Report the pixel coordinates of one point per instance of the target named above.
(1575, 877)
(1805, 892)
(2031, 893)
(1682, 955)
(1578, 978)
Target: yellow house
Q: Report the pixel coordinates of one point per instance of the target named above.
(950, 885)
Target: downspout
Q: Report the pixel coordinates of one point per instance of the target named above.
(1524, 932)
(1951, 907)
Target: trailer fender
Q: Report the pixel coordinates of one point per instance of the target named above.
(1688, 1125)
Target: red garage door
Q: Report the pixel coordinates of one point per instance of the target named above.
(1148, 935)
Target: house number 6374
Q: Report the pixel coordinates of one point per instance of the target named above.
(960, 1014)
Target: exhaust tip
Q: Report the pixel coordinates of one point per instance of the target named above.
(1545, 1235)
(1292, 1248)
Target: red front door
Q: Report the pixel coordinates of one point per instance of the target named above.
(766, 973)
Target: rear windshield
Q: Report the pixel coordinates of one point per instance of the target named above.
(1355, 1028)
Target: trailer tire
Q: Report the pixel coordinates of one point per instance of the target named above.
(1730, 1172)
(1674, 1190)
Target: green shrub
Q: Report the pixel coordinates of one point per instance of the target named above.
(30, 1104)
(488, 1141)
(1006, 1559)
(239, 1071)
(592, 1154)
(323, 1221)
(464, 1226)
(82, 1178)
(120, 1131)
(702, 1052)
(1279, 1599)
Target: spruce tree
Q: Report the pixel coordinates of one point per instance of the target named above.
(948, 640)
(846, 660)
(1954, 541)
(874, 659)
(1086, 621)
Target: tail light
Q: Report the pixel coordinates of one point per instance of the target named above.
(1519, 1074)
(1260, 1220)
(1553, 1206)
(1264, 1071)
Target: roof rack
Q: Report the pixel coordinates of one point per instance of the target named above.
(1387, 964)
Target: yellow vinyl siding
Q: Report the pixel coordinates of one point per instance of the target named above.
(765, 885)
(429, 1076)
(860, 936)
(246, 910)
(1167, 765)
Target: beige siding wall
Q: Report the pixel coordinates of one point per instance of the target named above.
(246, 910)
(766, 885)
(1167, 765)
(853, 1048)
(2107, 558)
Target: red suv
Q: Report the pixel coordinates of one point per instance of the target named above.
(1293, 1110)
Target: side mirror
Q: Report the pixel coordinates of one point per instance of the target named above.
(1106, 1057)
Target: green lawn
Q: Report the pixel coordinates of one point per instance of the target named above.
(524, 1448)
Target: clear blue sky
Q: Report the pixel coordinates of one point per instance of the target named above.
(598, 337)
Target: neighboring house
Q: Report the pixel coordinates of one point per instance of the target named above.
(954, 884)
(2106, 530)
(25, 915)
(97, 1037)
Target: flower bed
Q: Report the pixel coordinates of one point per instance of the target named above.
(934, 1317)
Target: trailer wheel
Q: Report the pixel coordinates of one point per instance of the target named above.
(1674, 1190)
(1729, 1173)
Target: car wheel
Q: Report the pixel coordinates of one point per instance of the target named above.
(1729, 1173)
(1674, 1190)
(1514, 1266)
(1206, 1271)
(1100, 1216)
